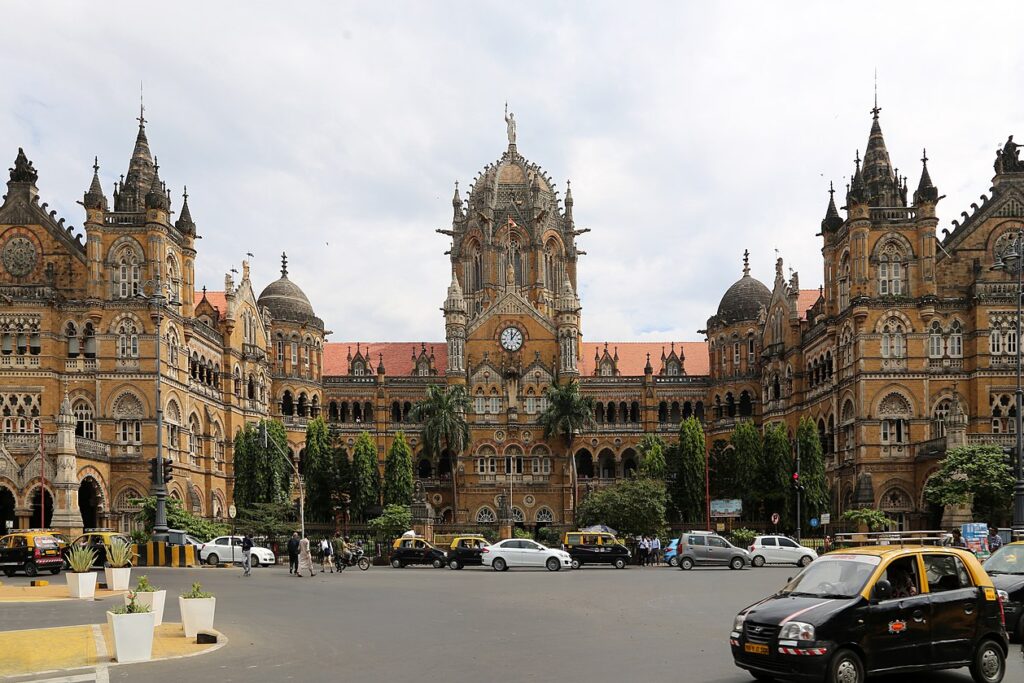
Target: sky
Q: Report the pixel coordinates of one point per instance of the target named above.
(335, 131)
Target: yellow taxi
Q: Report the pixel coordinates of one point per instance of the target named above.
(31, 551)
(99, 541)
(873, 610)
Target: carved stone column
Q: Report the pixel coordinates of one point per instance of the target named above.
(66, 516)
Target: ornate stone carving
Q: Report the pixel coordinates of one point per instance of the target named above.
(19, 256)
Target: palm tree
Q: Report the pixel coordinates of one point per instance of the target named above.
(567, 413)
(443, 416)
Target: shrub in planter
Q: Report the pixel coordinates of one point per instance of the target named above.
(132, 630)
(197, 610)
(149, 595)
(119, 573)
(81, 579)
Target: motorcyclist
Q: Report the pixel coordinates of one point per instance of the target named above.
(346, 549)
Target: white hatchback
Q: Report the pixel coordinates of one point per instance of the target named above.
(229, 549)
(780, 550)
(522, 552)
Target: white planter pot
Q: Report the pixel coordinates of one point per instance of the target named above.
(154, 600)
(82, 586)
(196, 614)
(117, 578)
(133, 636)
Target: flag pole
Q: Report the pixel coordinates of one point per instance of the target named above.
(42, 476)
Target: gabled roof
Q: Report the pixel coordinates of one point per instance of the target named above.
(397, 356)
(633, 357)
(216, 299)
(807, 299)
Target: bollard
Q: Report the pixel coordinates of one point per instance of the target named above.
(40, 582)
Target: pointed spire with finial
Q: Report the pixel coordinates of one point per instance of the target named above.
(94, 197)
(284, 266)
(380, 364)
(457, 202)
(648, 370)
(746, 263)
(881, 183)
(832, 221)
(926, 190)
(185, 224)
(156, 198)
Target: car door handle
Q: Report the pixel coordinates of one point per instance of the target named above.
(918, 616)
(968, 608)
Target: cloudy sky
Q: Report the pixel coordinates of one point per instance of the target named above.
(335, 131)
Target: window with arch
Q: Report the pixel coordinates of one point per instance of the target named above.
(127, 340)
(486, 462)
(71, 335)
(218, 444)
(480, 402)
(485, 515)
(518, 517)
(129, 273)
(128, 412)
(844, 282)
(936, 346)
(894, 343)
(956, 340)
(545, 516)
(84, 419)
(495, 402)
(172, 347)
(194, 439)
(894, 411)
(89, 340)
(939, 417)
(891, 270)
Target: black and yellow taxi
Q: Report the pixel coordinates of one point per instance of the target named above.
(1006, 569)
(876, 609)
(465, 551)
(30, 551)
(99, 541)
(408, 550)
(599, 547)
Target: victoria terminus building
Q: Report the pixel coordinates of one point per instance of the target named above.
(907, 348)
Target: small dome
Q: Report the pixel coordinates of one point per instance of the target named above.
(743, 301)
(287, 301)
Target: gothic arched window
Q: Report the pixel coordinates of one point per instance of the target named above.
(956, 340)
(935, 342)
(194, 439)
(129, 273)
(127, 340)
(71, 333)
(844, 282)
(84, 425)
(891, 270)
(894, 343)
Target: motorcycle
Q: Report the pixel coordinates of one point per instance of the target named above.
(357, 558)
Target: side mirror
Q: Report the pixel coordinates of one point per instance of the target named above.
(883, 590)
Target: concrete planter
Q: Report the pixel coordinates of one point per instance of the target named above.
(117, 578)
(154, 600)
(133, 636)
(196, 614)
(82, 586)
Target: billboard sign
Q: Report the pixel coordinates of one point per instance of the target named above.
(727, 507)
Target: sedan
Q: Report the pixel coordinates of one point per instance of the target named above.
(521, 552)
(781, 550)
(229, 549)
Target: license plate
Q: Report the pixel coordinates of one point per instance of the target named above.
(49, 552)
(755, 648)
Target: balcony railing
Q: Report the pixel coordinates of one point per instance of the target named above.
(992, 439)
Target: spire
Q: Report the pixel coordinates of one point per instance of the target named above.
(156, 198)
(746, 263)
(648, 370)
(380, 364)
(926, 191)
(284, 265)
(185, 223)
(94, 198)
(455, 303)
(457, 202)
(832, 220)
(880, 181)
(137, 182)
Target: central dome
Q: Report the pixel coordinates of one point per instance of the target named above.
(286, 300)
(744, 300)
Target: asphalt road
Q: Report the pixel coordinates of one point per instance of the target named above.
(422, 624)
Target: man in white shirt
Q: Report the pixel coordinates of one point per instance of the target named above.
(656, 550)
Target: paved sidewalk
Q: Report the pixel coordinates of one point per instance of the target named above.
(46, 650)
(55, 591)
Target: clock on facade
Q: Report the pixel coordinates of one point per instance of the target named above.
(511, 339)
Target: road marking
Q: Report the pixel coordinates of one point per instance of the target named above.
(83, 678)
(101, 643)
(102, 676)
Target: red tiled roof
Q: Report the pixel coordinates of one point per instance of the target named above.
(807, 298)
(216, 300)
(633, 356)
(397, 356)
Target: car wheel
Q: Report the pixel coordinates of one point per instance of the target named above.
(454, 564)
(620, 563)
(758, 561)
(55, 571)
(364, 563)
(989, 665)
(212, 559)
(254, 561)
(396, 563)
(31, 569)
(736, 563)
(686, 563)
(804, 561)
(437, 563)
(674, 562)
(553, 564)
(499, 565)
(845, 667)
(576, 564)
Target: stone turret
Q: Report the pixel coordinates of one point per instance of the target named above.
(455, 327)
(66, 515)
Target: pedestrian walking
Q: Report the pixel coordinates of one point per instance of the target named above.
(645, 547)
(326, 555)
(246, 555)
(293, 553)
(305, 558)
(995, 541)
(656, 550)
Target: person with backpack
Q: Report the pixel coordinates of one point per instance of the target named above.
(326, 555)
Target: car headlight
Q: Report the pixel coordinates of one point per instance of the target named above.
(737, 623)
(796, 630)
(1004, 596)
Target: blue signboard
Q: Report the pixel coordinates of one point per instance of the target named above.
(814, 522)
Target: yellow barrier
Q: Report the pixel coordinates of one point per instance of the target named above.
(160, 554)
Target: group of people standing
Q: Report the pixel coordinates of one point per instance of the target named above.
(300, 556)
(649, 550)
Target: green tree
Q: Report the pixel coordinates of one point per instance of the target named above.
(653, 464)
(177, 518)
(630, 506)
(262, 473)
(721, 473)
(567, 414)
(365, 481)
(746, 464)
(319, 472)
(398, 472)
(773, 475)
(394, 520)
(874, 520)
(442, 412)
(978, 475)
(687, 471)
(814, 499)
(267, 519)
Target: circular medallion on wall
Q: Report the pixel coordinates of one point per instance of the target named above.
(497, 501)
(618, 442)
(593, 442)
(499, 436)
(527, 436)
(19, 256)
(529, 501)
(436, 498)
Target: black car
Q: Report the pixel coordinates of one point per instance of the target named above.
(586, 547)
(465, 551)
(876, 610)
(415, 550)
(1006, 568)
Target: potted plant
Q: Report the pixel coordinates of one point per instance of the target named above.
(149, 595)
(81, 579)
(132, 630)
(197, 608)
(119, 573)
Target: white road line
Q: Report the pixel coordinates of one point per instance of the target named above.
(102, 676)
(83, 678)
(101, 643)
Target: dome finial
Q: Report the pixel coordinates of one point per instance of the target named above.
(746, 263)
(284, 264)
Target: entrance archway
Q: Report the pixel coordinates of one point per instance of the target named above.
(7, 506)
(41, 499)
(88, 502)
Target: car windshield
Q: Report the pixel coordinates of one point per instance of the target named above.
(1007, 560)
(836, 576)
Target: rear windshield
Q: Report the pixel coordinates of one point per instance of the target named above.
(45, 542)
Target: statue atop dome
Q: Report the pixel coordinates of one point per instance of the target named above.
(510, 125)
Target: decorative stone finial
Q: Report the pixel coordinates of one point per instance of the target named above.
(284, 264)
(746, 263)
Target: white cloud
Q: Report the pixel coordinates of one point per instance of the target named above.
(335, 132)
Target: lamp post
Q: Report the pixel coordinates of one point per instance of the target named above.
(158, 301)
(1011, 261)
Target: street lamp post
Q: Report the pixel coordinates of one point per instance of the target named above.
(1012, 261)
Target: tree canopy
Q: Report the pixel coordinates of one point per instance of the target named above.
(365, 477)
(977, 474)
(320, 472)
(394, 520)
(178, 518)
(686, 471)
(442, 412)
(398, 472)
(814, 499)
(630, 506)
(262, 473)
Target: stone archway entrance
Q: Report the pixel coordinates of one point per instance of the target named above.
(89, 498)
(42, 509)
(7, 506)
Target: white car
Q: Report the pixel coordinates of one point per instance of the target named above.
(780, 550)
(229, 549)
(522, 552)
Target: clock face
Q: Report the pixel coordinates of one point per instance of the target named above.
(511, 339)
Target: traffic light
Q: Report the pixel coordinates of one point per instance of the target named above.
(152, 470)
(795, 482)
(1009, 455)
(168, 470)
